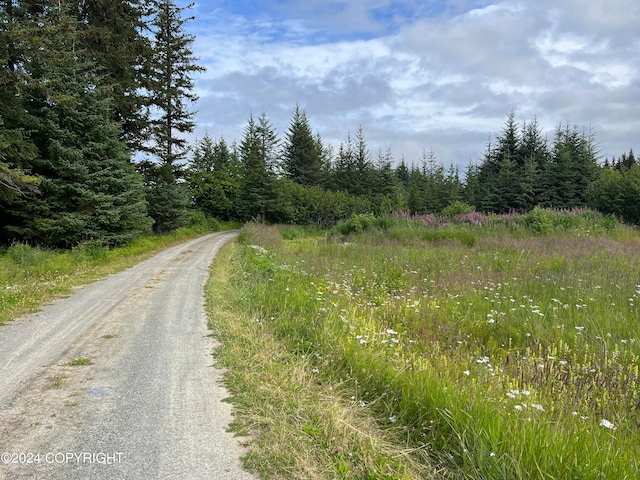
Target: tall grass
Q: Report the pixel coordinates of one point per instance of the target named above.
(513, 356)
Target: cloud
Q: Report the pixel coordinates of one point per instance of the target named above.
(420, 75)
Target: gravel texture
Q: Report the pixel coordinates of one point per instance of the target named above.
(147, 403)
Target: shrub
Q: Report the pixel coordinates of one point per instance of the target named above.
(457, 208)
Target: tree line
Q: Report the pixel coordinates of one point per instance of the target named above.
(86, 87)
(298, 179)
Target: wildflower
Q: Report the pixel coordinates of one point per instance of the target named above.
(467, 372)
(393, 419)
(537, 406)
(607, 424)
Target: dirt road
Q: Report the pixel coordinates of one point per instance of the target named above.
(116, 381)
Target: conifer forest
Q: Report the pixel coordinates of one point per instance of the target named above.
(97, 101)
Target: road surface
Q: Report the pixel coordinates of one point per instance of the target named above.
(116, 381)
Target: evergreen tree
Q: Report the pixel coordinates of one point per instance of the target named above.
(16, 149)
(403, 174)
(534, 152)
(114, 38)
(302, 158)
(168, 200)
(326, 161)
(471, 185)
(434, 190)
(171, 83)
(385, 182)
(89, 189)
(574, 166)
(415, 192)
(505, 193)
(345, 171)
(486, 179)
(171, 87)
(363, 167)
(259, 160)
(452, 186)
(211, 182)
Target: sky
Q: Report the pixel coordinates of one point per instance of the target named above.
(420, 75)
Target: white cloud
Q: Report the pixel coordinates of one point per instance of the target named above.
(423, 74)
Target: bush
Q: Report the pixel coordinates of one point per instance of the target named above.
(358, 223)
(200, 220)
(457, 208)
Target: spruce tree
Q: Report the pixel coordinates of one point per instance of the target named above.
(534, 152)
(574, 166)
(364, 170)
(171, 92)
(259, 161)
(212, 185)
(434, 199)
(171, 83)
(114, 38)
(302, 161)
(345, 169)
(89, 189)
(402, 173)
(16, 149)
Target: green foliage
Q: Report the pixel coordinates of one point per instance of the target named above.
(257, 152)
(520, 170)
(170, 82)
(358, 223)
(616, 192)
(200, 220)
(89, 191)
(457, 208)
(302, 160)
(113, 37)
(213, 184)
(168, 204)
(545, 221)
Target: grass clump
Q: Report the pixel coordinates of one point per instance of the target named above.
(515, 357)
(79, 361)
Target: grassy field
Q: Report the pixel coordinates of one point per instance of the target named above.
(31, 276)
(419, 347)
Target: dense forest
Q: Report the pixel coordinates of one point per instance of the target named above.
(96, 99)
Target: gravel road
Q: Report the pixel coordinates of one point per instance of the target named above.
(147, 405)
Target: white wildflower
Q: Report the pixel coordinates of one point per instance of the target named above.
(607, 424)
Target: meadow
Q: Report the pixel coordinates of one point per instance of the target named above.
(487, 347)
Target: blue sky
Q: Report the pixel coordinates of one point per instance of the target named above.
(420, 75)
